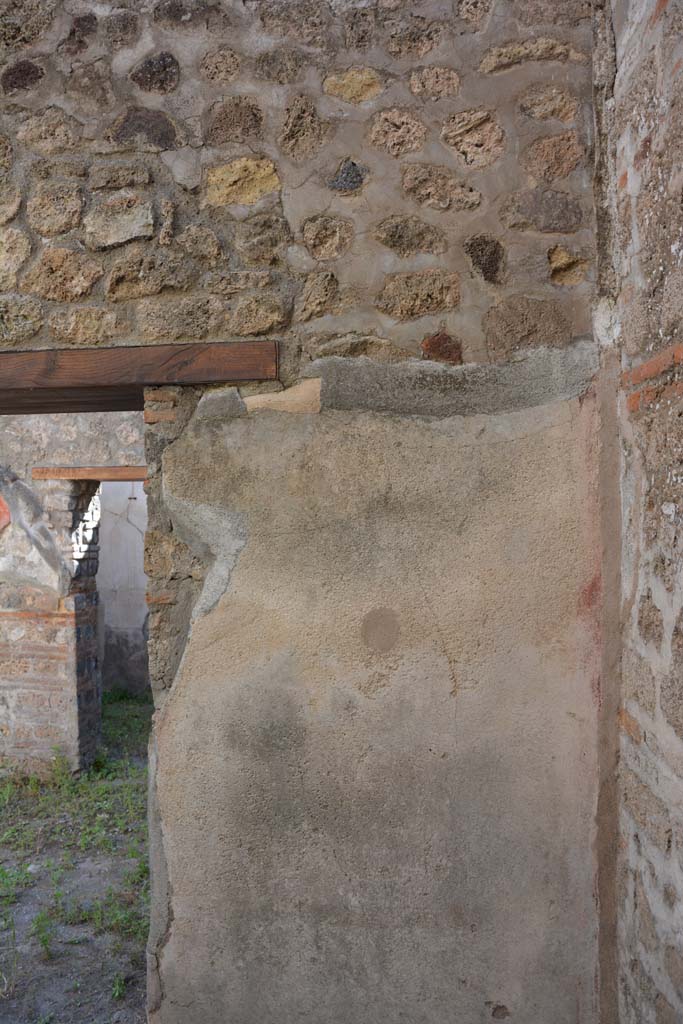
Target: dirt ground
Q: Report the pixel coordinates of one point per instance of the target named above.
(74, 886)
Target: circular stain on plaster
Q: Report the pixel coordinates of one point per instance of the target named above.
(5, 517)
(380, 630)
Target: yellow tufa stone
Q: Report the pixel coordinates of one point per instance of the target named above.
(567, 267)
(242, 181)
(355, 85)
(302, 397)
(500, 58)
(15, 249)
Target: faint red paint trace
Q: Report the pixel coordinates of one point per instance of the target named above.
(5, 517)
(658, 12)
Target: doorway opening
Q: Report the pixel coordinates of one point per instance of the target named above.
(122, 588)
(74, 713)
(74, 878)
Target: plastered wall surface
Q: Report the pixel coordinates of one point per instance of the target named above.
(382, 734)
(122, 586)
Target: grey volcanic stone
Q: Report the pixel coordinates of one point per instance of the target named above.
(349, 177)
(415, 388)
(160, 73)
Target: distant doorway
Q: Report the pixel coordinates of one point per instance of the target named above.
(121, 585)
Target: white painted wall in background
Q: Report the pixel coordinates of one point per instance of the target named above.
(122, 585)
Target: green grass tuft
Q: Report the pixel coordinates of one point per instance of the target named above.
(94, 811)
(58, 819)
(43, 929)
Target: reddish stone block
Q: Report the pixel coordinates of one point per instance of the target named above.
(630, 726)
(47, 732)
(643, 152)
(663, 394)
(443, 348)
(161, 395)
(161, 598)
(160, 415)
(654, 367)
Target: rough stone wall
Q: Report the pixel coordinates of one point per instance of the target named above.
(90, 439)
(175, 573)
(348, 177)
(648, 140)
(375, 615)
(49, 675)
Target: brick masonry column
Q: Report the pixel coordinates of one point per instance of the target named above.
(37, 693)
(50, 688)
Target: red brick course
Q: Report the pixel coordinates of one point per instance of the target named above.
(667, 390)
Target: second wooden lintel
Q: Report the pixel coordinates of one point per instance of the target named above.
(108, 379)
(98, 473)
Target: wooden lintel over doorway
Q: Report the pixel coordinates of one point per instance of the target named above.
(114, 379)
(99, 473)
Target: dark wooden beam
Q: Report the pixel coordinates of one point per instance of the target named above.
(100, 473)
(49, 400)
(113, 379)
